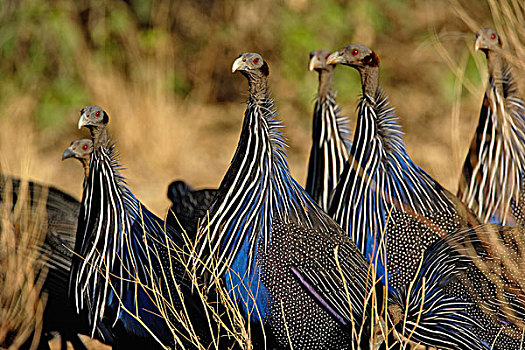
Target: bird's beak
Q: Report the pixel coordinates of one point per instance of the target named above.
(237, 65)
(476, 45)
(334, 58)
(315, 62)
(82, 121)
(68, 153)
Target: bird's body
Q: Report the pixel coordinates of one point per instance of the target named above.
(269, 237)
(125, 252)
(406, 214)
(492, 171)
(380, 179)
(330, 135)
(105, 254)
(464, 309)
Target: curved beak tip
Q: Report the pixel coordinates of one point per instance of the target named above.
(67, 154)
(81, 121)
(311, 65)
(476, 46)
(236, 65)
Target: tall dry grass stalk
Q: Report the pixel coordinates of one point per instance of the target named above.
(225, 318)
(227, 323)
(22, 268)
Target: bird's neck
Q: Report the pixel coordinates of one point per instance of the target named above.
(237, 213)
(330, 141)
(85, 165)
(359, 169)
(495, 66)
(250, 166)
(258, 87)
(326, 82)
(94, 220)
(99, 135)
(369, 80)
(240, 216)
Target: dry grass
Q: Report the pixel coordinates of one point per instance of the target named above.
(22, 270)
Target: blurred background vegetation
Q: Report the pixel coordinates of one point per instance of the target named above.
(161, 69)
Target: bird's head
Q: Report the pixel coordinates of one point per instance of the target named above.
(250, 63)
(177, 190)
(92, 116)
(487, 39)
(79, 149)
(356, 55)
(318, 60)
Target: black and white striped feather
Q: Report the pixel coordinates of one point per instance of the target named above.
(331, 143)
(262, 226)
(495, 163)
(121, 255)
(379, 177)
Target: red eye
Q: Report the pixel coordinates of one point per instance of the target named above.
(355, 52)
(255, 60)
(326, 57)
(493, 36)
(85, 147)
(97, 114)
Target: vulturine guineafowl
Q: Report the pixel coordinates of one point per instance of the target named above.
(495, 161)
(396, 212)
(124, 251)
(380, 183)
(330, 135)
(262, 224)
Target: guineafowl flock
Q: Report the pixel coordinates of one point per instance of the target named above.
(371, 253)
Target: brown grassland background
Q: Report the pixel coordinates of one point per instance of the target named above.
(162, 71)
